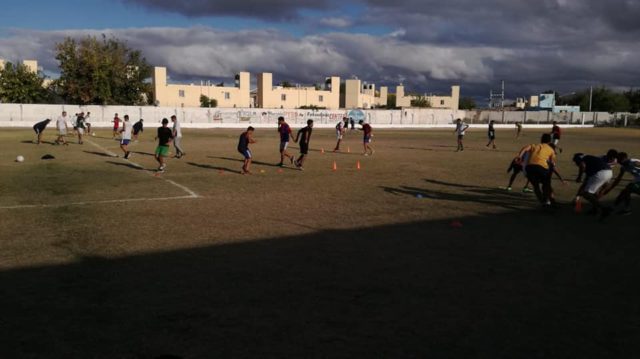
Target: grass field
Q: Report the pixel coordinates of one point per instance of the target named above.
(100, 258)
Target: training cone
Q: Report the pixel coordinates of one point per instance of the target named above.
(335, 166)
(358, 165)
(279, 170)
(578, 207)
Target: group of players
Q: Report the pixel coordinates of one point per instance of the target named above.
(302, 138)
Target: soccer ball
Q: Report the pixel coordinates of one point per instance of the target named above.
(93, 134)
(19, 159)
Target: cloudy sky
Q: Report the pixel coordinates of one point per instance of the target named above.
(564, 45)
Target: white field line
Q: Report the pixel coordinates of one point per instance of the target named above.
(27, 206)
(191, 193)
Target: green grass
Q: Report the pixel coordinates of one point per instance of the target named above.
(311, 263)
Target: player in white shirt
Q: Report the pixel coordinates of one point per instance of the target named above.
(341, 128)
(177, 137)
(125, 133)
(461, 127)
(63, 128)
(632, 166)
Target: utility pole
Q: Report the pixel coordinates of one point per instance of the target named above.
(590, 97)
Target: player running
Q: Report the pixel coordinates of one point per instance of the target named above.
(303, 138)
(518, 165)
(285, 136)
(368, 133)
(341, 129)
(492, 135)
(138, 128)
(460, 130)
(125, 133)
(246, 138)
(164, 137)
(116, 125)
(598, 170)
(518, 129)
(39, 127)
(556, 133)
(631, 166)
(541, 157)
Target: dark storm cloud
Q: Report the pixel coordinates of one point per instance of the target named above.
(263, 9)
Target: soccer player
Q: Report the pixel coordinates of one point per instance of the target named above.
(125, 134)
(177, 137)
(39, 127)
(556, 133)
(285, 135)
(518, 129)
(598, 170)
(492, 135)
(80, 127)
(246, 138)
(366, 128)
(353, 123)
(461, 127)
(138, 128)
(116, 125)
(87, 123)
(303, 138)
(63, 128)
(164, 137)
(518, 165)
(341, 128)
(633, 167)
(541, 157)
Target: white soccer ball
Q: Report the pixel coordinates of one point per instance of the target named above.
(19, 159)
(93, 134)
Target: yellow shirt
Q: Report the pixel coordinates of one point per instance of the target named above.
(541, 154)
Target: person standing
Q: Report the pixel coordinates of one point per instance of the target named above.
(556, 133)
(164, 137)
(518, 129)
(39, 127)
(341, 128)
(177, 137)
(138, 128)
(63, 128)
(541, 157)
(368, 134)
(87, 118)
(460, 130)
(125, 134)
(285, 136)
(303, 137)
(80, 127)
(492, 135)
(246, 138)
(116, 125)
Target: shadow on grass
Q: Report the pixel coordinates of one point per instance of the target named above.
(143, 153)
(513, 285)
(42, 142)
(259, 163)
(216, 168)
(129, 165)
(101, 154)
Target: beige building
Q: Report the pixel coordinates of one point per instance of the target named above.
(269, 96)
(176, 95)
(443, 102)
(364, 96)
(32, 65)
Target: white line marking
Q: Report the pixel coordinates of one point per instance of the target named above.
(191, 193)
(97, 202)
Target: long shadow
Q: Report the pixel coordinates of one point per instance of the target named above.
(34, 143)
(101, 154)
(260, 163)
(129, 165)
(449, 184)
(217, 168)
(489, 287)
(143, 153)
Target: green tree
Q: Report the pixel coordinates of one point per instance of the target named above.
(391, 100)
(286, 84)
(103, 72)
(467, 103)
(208, 102)
(18, 84)
(421, 102)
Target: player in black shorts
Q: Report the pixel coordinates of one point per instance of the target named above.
(303, 138)
(492, 135)
(138, 127)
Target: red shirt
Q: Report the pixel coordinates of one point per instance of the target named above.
(367, 129)
(116, 122)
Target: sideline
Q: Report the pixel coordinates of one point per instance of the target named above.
(125, 200)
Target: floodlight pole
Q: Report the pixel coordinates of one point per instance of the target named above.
(590, 97)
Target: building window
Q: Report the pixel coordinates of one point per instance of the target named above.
(321, 98)
(441, 102)
(181, 93)
(227, 96)
(283, 97)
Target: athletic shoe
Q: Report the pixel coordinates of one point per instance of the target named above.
(280, 164)
(527, 190)
(126, 155)
(509, 189)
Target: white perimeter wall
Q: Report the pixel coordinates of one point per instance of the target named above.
(17, 115)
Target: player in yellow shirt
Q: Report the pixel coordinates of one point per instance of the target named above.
(538, 169)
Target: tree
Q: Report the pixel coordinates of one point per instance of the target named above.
(421, 102)
(391, 100)
(103, 72)
(467, 103)
(286, 84)
(208, 102)
(18, 84)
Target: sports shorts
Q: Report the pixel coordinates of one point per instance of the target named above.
(595, 182)
(62, 131)
(124, 142)
(304, 148)
(246, 153)
(284, 145)
(162, 151)
(367, 139)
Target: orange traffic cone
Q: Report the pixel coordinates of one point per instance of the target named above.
(335, 166)
(578, 207)
(358, 165)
